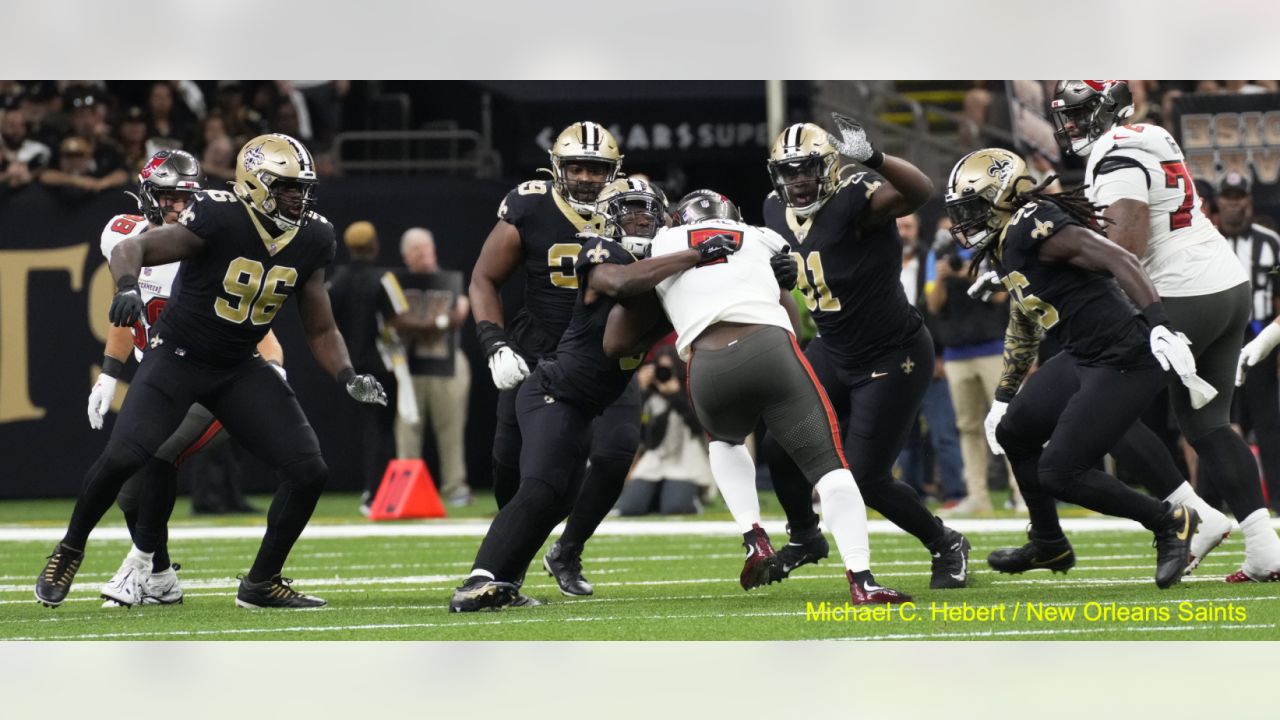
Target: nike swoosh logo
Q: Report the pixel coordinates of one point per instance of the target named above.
(964, 570)
(1186, 525)
(875, 375)
(1054, 559)
(871, 588)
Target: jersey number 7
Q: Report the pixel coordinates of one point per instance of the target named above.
(1176, 171)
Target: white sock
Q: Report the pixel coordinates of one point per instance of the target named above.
(136, 554)
(735, 475)
(846, 518)
(1260, 542)
(481, 572)
(1186, 495)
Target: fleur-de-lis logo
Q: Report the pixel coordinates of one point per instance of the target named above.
(872, 187)
(1042, 229)
(999, 168)
(597, 255)
(253, 157)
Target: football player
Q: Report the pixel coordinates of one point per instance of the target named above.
(1073, 283)
(1139, 174)
(244, 254)
(537, 230)
(166, 185)
(735, 329)
(567, 392)
(873, 354)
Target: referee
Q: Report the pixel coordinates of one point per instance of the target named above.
(1256, 406)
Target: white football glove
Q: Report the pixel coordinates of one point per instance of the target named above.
(367, 389)
(104, 391)
(986, 284)
(852, 141)
(993, 419)
(1256, 349)
(508, 368)
(1173, 351)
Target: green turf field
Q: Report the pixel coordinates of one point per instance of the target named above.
(670, 586)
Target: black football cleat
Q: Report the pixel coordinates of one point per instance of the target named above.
(521, 601)
(55, 582)
(1053, 553)
(803, 548)
(273, 593)
(1174, 531)
(863, 590)
(480, 593)
(950, 567)
(564, 563)
(761, 566)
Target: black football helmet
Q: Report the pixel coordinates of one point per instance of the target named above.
(634, 211)
(168, 171)
(1085, 109)
(702, 205)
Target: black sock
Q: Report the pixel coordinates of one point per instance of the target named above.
(1234, 471)
(101, 486)
(862, 577)
(1100, 492)
(601, 488)
(291, 509)
(518, 531)
(1143, 453)
(506, 480)
(157, 495)
(794, 492)
(901, 506)
(131, 522)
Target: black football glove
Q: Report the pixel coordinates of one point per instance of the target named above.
(785, 270)
(717, 247)
(126, 306)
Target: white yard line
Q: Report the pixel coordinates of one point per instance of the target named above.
(477, 528)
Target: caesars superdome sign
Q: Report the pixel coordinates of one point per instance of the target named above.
(1232, 133)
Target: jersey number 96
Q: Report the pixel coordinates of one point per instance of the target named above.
(253, 297)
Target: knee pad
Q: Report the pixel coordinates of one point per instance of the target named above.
(1013, 444)
(310, 472)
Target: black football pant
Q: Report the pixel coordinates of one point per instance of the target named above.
(1081, 412)
(255, 406)
(876, 407)
(556, 444)
(1257, 407)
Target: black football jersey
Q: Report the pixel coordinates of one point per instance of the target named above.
(579, 372)
(850, 275)
(1085, 312)
(227, 296)
(547, 226)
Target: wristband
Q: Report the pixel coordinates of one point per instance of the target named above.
(345, 375)
(875, 161)
(127, 282)
(1005, 395)
(491, 337)
(1155, 315)
(111, 367)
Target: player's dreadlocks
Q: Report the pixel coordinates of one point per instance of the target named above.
(1072, 202)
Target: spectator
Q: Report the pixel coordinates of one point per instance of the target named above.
(21, 158)
(218, 150)
(972, 335)
(242, 122)
(41, 107)
(366, 302)
(324, 106)
(937, 420)
(88, 110)
(167, 125)
(672, 473)
(84, 167)
(1257, 409)
(1208, 200)
(133, 138)
(440, 377)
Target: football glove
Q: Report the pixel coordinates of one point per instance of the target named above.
(716, 247)
(507, 367)
(853, 142)
(126, 306)
(279, 370)
(1256, 349)
(785, 270)
(366, 389)
(986, 284)
(104, 391)
(1173, 351)
(993, 419)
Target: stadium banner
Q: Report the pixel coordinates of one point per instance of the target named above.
(1232, 133)
(55, 288)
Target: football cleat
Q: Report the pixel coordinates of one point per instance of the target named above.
(564, 563)
(1214, 528)
(163, 588)
(481, 593)
(1248, 573)
(1173, 532)
(125, 588)
(950, 566)
(1038, 554)
(523, 600)
(761, 566)
(803, 548)
(273, 593)
(55, 582)
(867, 592)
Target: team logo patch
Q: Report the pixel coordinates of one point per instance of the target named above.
(697, 237)
(999, 168)
(253, 157)
(597, 255)
(1043, 229)
(152, 166)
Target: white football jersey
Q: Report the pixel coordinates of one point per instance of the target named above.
(155, 283)
(740, 288)
(1186, 255)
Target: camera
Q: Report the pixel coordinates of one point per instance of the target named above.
(663, 373)
(946, 248)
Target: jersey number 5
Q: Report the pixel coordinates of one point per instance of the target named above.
(1043, 312)
(1176, 171)
(812, 281)
(244, 282)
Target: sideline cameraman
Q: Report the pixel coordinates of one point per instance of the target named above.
(972, 336)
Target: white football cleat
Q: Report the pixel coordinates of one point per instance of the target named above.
(125, 588)
(163, 588)
(1214, 528)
